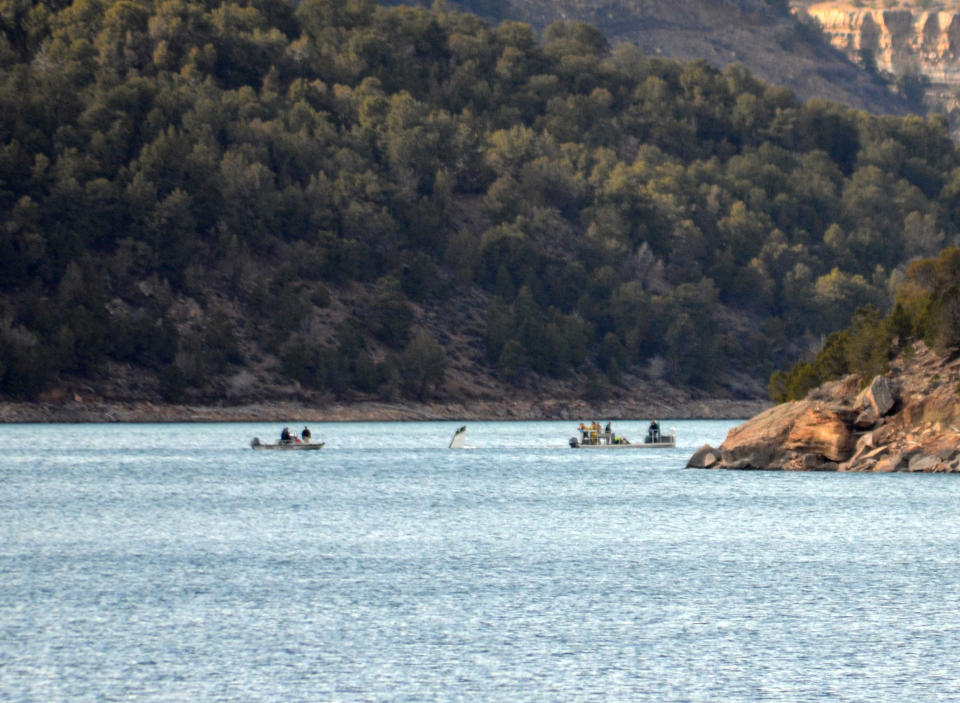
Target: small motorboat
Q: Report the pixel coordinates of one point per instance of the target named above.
(290, 444)
(592, 437)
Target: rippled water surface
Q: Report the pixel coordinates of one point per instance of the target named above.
(171, 562)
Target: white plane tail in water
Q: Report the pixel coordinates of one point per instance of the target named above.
(459, 438)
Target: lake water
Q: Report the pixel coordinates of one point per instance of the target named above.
(171, 562)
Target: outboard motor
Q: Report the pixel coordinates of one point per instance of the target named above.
(255, 442)
(574, 443)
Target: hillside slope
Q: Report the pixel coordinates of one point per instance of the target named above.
(211, 202)
(762, 36)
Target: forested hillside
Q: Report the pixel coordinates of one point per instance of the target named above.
(926, 308)
(765, 35)
(207, 201)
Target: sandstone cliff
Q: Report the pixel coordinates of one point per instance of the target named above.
(898, 38)
(905, 420)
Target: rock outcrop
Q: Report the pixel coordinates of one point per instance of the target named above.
(905, 420)
(897, 37)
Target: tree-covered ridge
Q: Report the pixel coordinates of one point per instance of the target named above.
(194, 188)
(927, 308)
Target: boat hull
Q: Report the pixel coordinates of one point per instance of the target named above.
(641, 445)
(289, 446)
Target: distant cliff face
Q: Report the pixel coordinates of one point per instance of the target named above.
(899, 39)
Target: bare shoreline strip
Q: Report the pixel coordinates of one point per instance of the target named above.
(98, 411)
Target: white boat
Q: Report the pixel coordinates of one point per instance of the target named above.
(292, 444)
(592, 437)
(459, 438)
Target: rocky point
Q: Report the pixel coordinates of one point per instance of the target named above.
(905, 420)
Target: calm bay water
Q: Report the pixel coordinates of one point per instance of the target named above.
(171, 562)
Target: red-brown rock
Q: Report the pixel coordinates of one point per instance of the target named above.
(801, 434)
(819, 430)
(906, 420)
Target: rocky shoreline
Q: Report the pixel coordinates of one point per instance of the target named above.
(905, 420)
(94, 410)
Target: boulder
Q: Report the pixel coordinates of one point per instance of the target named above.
(879, 397)
(923, 463)
(889, 464)
(948, 455)
(758, 443)
(864, 458)
(777, 437)
(706, 457)
(836, 392)
(866, 420)
(886, 434)
(770, 427)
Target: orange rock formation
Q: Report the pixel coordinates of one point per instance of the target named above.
(905, 420)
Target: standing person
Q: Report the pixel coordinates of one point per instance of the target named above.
(305, 435)
(285, 436)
